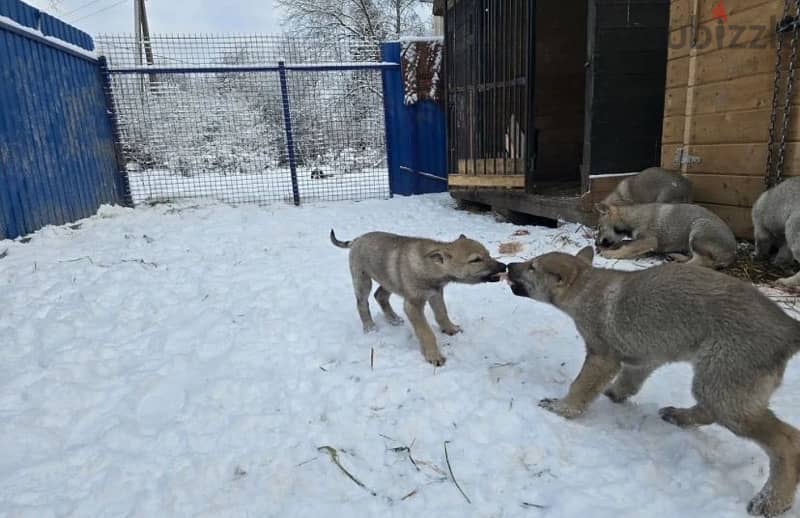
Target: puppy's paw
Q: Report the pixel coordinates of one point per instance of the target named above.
(557, 406)
(767, 503)
(609, 253)
(452, 330)
(395, 321)
(435, 358)
(615, 395)
(678, 416)
(370, 328)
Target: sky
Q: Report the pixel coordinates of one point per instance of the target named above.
(181, 16)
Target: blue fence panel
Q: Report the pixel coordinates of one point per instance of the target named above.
(57, 154)
(416, 141)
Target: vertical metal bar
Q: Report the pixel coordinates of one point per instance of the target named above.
(530, 97)
(121, 181)
(484, 60)
(287, 123)
(493, 84)
(504, 82)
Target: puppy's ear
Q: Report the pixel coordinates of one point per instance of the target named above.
(602, 208)
(438, 256)
(587, 254)
(564, 271)
(462, 236)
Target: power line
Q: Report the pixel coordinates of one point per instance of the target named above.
(99, 11)
(84, 6)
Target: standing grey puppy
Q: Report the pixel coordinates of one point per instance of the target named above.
(737, 340)
(776, 225)
(653, 185)
(417, 269)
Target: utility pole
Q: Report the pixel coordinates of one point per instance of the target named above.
(145, 26)
(137, 30)
(142, 31)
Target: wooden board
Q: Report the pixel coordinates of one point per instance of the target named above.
(738, 191)
(675, 102)
(739, 94)
(730, 127)
(494, 181)
(673, 130)
(492, 166)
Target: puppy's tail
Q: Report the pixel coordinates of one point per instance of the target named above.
(340, 244)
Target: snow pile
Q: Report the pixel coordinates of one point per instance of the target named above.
(421, 66)
(202, 360)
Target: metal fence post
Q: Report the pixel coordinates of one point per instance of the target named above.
(287, 122)
(123, 186)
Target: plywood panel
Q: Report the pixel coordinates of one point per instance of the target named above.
(728, 159)
(740, 191)
(669, 156)
(744, 29)
(678, 72)
(494, 181)
(735, 8)
(743, 93)
(673, 130)
(680, 13)
(677, 47)
(730, 128)
(675, 102)
(727, 64)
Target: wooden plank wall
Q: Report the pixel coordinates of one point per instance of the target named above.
(718, 103)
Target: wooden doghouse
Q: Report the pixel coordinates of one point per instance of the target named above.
(546, 98)
(722, 100)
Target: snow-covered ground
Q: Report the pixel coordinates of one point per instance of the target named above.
(271, 185)
(197, 360)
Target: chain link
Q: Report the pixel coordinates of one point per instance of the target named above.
(787, 107)
(775, 93)
(774, 175)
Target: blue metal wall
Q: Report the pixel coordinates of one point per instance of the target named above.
(416, 142)
(57, 154)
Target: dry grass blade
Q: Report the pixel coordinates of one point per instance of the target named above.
(747, 268)
(453, 477)
(334, 455)
(532, 506)
(4, 254)
(409, 495)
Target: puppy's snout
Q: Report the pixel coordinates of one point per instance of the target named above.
(514, 270)
(602, 242)
(499, 267)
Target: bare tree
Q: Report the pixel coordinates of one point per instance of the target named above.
(363, 20)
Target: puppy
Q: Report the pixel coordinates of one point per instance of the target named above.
(737, 340)
(776, 225)
(653, 185)
(417, 269)
(666, 228)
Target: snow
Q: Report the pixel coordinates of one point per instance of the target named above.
(274, 184)
(266, 67)
(191, 359)
(36, 33)
(409, 54)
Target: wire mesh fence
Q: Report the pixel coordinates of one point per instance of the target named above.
(206, 117)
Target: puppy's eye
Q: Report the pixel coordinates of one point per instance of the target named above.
(619, 230)
(476, 260)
